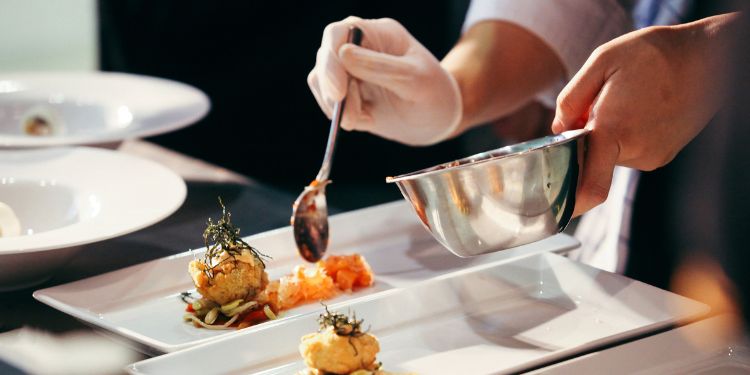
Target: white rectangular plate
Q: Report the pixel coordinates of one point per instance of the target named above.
(498, 318)
(696, 348)
(141, 303)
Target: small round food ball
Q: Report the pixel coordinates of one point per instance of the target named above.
(241, 277)
(328, 352)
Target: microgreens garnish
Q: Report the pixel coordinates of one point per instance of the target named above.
(342, 325)
(222, 235)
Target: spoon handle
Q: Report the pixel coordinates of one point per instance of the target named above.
(355, 37)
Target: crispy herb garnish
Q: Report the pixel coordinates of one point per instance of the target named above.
(187, 297)
(225, 236)
(342, 325)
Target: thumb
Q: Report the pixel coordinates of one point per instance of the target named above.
(602, 153)
(394, 73)
(576, 100)
(356, 115)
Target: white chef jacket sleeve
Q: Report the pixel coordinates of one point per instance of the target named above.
(572, 28)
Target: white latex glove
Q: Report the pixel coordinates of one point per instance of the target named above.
(400, 92)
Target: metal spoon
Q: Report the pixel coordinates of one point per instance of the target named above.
(310, 211)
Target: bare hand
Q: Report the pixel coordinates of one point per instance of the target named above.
(644, 96)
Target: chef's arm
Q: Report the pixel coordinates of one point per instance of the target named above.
(512, 52)
(499, 67)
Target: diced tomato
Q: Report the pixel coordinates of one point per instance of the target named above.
(345, 279)
(255, 317)
(353, 270)
(189, 308)
(365, 279)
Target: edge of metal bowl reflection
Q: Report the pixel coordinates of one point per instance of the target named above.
(498, 199)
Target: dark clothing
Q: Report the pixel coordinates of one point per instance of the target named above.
(699, 202)
(736, 179)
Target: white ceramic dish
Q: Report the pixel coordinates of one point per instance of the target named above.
(141, 303)
(66, 197)
(499, 318)
(93, 107)
(693, 349)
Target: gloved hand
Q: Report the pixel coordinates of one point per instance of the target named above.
(400, 91)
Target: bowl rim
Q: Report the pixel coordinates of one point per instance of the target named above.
(132, 192)
(137, 93)
(496, 154)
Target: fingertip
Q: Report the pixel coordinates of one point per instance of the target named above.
(332, 94)
(352, 56)
(362, 123)
(352, 20)
(337, 32)
(346, 54)
(359, 122)
(347, 125)
(589, 196)
(557, 126)
(352, 108)
(312, 79)
(586, 125)
(577, 211)
(582, 203)
(596, 174)
(347, 51)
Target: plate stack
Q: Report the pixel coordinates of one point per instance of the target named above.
(56, 194)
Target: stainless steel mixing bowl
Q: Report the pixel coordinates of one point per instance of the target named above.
(499, 199)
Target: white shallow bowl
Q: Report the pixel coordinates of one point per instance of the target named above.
(68, 197)
(93, 107)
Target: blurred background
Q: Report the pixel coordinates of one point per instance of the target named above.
(252, 59)
(46, 35)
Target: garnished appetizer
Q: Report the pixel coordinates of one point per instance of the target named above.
(230, 277)
(340, 347)
(234, 287)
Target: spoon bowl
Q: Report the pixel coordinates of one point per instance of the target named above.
(310, 221)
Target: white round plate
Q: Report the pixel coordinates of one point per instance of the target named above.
(52, 109)
(65, 197)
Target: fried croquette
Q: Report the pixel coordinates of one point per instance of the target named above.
(232, 277)
(332, 353)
